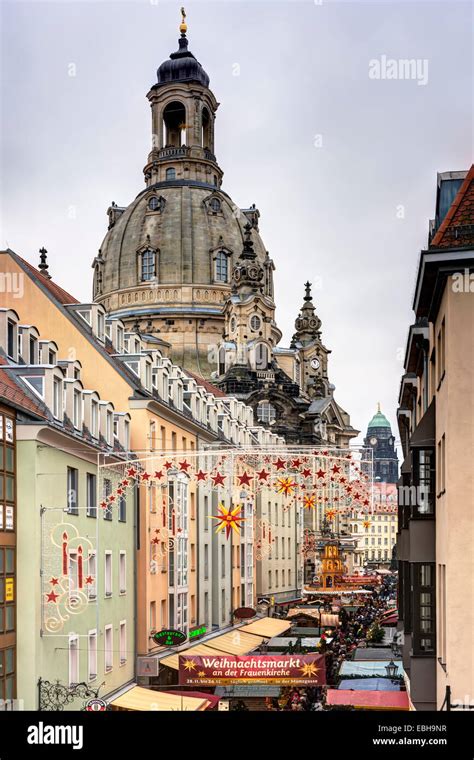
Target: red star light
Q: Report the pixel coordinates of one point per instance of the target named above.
(89, 579)
(245, 479)
(296, 463)
(184, 466)
(280, 464)
(320, 474)
(306, 473)
(263, 474)
(158, 474)
(54, 581)
(145, 476)
(218, 479)
(131, 472)
(168, 465)
(335, 469)
(201, 475)
(51, 597)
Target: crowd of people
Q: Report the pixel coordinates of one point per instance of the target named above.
(338, 645)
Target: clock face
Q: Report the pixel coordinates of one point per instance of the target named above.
(315, 363)
(373, 440)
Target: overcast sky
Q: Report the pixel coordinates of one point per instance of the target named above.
(341, 165)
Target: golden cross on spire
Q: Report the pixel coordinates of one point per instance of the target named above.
(183, 27)
(378, 407)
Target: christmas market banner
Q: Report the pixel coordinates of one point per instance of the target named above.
(286, 670)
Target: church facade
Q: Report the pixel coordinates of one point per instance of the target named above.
(187, 269)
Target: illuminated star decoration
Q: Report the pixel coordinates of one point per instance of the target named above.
(201, 674)
(309, 501)
(366, 524)
(51, 597)
(285, 486)
(189, 665)
(229, 519)
(330, 513)
(309, 669)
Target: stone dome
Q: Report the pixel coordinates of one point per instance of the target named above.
(190, 224)
(181, 66)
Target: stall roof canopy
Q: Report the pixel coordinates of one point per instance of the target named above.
(370, 700)
(242, 690)
(267, 627)
(369, 684)
(373, 653)
(138, 698)
(327, 620)
(235, 642)
(367, 667)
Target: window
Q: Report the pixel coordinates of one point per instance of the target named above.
(11, 340)
(424, 481)
(122, 509)
(269, 580)
(123, 642)
(424, 606)
(122, 572)
(94, 419)
(152, 616)
(92, 655)
(57, 397)
(73, 660)
(77, 410)
(100, 325)
(108, 648)
(108, 573)
(109, 428)
(223, 605)
(148, 265)
(215, 205)
(221, 267)
(206, 562)
(266, 413)
(107, 490)
(154, 204)
(255, 323)
(170, 174)
(92, 575)
(36, 383)
(91, 487)
(72, 491)
(222, 561)
(127, 434)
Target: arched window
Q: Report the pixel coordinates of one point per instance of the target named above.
(215, 205)
(222, 360)
(174, 125)
(222, 267)
(266, 412)
(148, 265)
(206, 129)
(255, 323)
(171, 173)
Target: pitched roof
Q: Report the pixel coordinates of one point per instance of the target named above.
(59, 293)
(11, 393)
(208, 386)
(454, 231)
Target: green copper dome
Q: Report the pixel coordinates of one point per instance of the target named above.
(379, 420)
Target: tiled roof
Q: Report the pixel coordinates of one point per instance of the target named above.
(11, 393)
(59, 293)
(456, 228)
(209, 387)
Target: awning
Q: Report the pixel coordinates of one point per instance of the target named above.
(424, 435)
(172, 660)
(367, 667)
(235, 642)
(391, 620)
(211, 698)
(149, 700)
(369, 700)
(368, 684)
(267, 627)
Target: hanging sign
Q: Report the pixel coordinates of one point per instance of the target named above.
(9, 590)
(169, 638)
(286, 670)
(244, 612)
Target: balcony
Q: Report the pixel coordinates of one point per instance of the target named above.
(172, 152)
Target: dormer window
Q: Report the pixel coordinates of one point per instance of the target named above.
(33, 352)
(86, 316)
(77, 410)
(147, 265)
(94, 419)
(221, 267)
(100, 326)
(120, 332)
(11, 339)
(170, 174)
(215, 205)
(36, 383)
(57, 398)
(157, 203)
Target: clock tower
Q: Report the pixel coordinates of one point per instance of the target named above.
(380, 439)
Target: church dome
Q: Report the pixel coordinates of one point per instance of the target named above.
(181, 66)
(186, 225)
(379, 420)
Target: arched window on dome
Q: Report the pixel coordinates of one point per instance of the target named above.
(171, 173)
(147, 265)
(174, 125)
(221, 267)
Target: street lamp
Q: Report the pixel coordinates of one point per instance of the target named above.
(392, 670)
